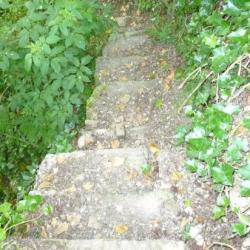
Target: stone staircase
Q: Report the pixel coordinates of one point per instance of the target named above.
(102, 197)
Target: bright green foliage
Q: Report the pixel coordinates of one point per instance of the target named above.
(10, 215)
(239, 229)
(214, 40)
(47, 56)
(146, 169)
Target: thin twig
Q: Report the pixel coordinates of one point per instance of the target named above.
(221, 244)
(238, 60)
(240, 66)
(217, 91)
(241, 90)
(24, 222)
(2, 94)
(191, 94)
(195, 72)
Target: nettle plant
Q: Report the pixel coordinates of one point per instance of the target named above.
(215, 43)
(46, 74)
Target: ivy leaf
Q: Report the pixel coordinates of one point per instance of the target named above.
(244, 219)
(236, 148)
(245, 172)
(218, 212)
(211, 41)
(245, 189)
(238, 34)
(223, 201)
(181, 132)
(239, 229)
(223, 174)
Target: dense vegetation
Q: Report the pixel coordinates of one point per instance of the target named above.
(47, 57)
(214, 39)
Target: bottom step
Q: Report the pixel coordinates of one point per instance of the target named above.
(95, 245)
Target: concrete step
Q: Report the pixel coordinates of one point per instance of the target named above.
(134, 216)
(133, 45)
(131, 68)
(111, 170)
(128, 102)
(132, 23)
(106, 138)
(56, 244)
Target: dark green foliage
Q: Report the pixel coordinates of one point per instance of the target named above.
(47, 57)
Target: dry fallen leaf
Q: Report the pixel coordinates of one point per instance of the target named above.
(88, 186)
(115, 144)
(121, 229)
(154, 148)
(123, 78)
(241, 130)
(132, 173)
(168, 82)
(176, 176)
(104, 72)
(61, 228)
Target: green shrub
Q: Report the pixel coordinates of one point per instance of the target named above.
(214, 39)
(47, 60)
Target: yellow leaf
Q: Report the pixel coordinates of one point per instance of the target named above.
(176, 176)
(241, 131)
(121, 229)
(115, 144)
(154, 149)
(123, 78)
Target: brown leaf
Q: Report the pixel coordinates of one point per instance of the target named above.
(169, 80)
(154, 148)
(121, 229)
(61, 228)
(115, 144)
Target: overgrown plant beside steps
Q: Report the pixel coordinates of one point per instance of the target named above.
(213, 37)
(47, 58)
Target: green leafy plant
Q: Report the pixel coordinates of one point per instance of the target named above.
(213, 38)
(47, 58)
(13, 216)
(146, 169)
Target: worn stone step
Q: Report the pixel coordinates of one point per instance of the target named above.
(133, 45)
(134, 215)
(102, 171)
(160, 133)
(128, 23)
(95, 244)
(131, 68)
(129, 103)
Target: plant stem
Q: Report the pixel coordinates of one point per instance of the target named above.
(191, 94)
(195, 72)
(24, 222)
(221, 244)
